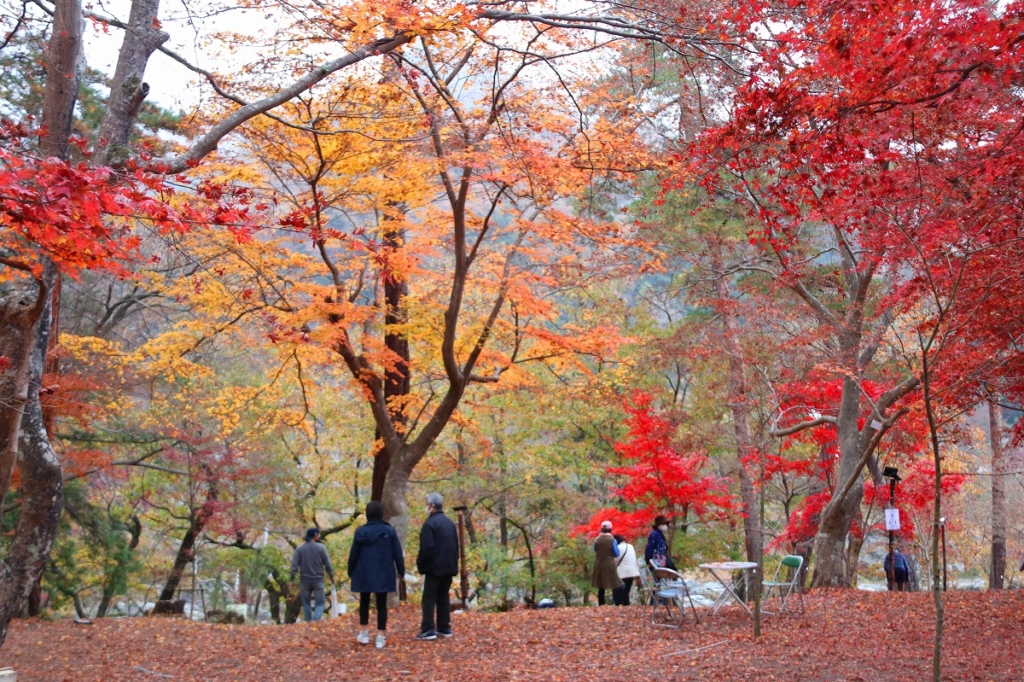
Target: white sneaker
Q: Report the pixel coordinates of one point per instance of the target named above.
(380, 641)
(363, 637)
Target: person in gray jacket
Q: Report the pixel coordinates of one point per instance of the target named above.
(310, 560)
(437, 562)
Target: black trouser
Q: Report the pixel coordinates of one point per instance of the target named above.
(435, 595)
(382, 609)
(600, 595)
(620, 595)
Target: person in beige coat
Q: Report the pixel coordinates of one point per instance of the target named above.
(606, 551)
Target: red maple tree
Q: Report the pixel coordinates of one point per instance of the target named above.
(659, 479)
(877, 148)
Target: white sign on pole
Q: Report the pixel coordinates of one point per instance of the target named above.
(892, 519)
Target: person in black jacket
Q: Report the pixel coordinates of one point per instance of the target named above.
(437, 562)
(374, 561)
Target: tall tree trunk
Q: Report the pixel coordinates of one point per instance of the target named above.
(396, 506)
(42, 479)
(63, 76)
(853, 547)
(26, 315)
(838, 516)
(127, 89)
(998, 565)
(394, 499)
(740, 407)
(34, 607)
(396, 376)
(805, 546)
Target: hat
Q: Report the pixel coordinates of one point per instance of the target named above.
(606, 525)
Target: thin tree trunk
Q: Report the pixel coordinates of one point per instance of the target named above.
(120, 569)
(937, 514)
(470, 528)
(997, 568)
(186, 551)
(181, 561)
(502, 524)
(276, 589)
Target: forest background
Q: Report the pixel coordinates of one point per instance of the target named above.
(560, 264)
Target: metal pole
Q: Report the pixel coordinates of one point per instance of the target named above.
(892, 536)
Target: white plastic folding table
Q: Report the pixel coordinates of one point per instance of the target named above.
(725, 573)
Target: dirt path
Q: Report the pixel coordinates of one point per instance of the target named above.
(845, 635)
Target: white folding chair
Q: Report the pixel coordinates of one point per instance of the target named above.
(645, 589)
(668, 601)
(794, 563)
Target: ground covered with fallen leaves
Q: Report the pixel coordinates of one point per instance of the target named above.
(844, 635)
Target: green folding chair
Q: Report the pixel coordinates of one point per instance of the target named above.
(785, 589)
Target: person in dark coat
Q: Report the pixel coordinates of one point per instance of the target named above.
(657, 545)
(373, 564)
(437, 562)
(606, 551)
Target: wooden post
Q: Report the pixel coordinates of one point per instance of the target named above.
(463, 574)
